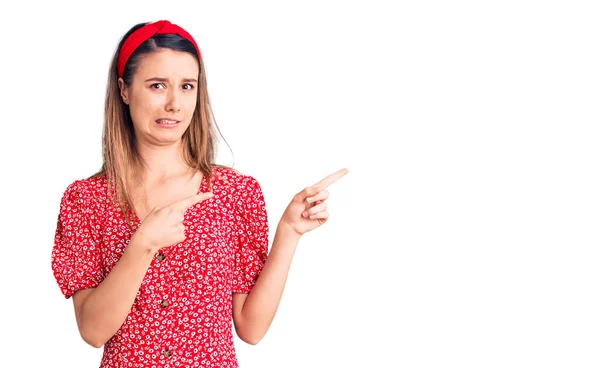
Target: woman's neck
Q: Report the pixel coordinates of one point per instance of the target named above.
(162, 163)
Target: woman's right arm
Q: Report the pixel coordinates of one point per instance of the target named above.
(101, 311)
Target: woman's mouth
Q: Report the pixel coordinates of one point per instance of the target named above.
(167, 123)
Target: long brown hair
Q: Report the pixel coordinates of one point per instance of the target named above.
(121, 160)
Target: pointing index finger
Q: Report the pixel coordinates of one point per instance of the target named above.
(186, 203)
(330, 179)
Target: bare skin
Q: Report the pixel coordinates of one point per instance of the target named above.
(165, 192)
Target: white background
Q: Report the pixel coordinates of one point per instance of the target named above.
(466, 231)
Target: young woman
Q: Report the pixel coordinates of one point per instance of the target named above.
(162, 248)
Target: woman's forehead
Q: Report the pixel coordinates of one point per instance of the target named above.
(168, 64)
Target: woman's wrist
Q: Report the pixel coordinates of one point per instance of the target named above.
(287, 230)
(140, 245)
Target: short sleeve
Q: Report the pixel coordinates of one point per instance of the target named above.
(252, 235)
(76, 257)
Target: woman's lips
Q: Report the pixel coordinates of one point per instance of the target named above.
(167, 123)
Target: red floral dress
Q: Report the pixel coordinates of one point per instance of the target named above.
(182, 314)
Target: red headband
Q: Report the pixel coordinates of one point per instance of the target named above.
(142, 34)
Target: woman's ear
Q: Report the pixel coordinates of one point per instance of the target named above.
(123, 91)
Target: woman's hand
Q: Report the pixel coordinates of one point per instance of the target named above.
(308, 209)
(164, 227)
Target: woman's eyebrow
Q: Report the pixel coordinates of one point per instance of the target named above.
(159, 79)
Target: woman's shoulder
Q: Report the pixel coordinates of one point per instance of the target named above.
(243, 187)
(94, 184)
(220, 171)
(227, 176)
(92, 188)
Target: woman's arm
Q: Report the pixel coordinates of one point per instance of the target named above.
(254, 312)
(102, 310)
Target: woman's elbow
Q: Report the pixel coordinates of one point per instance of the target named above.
(91, 340)
(248, 337)
(251, 340)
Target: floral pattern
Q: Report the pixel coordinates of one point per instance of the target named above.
(182, 313)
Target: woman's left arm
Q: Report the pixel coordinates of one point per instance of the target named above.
(254, 312)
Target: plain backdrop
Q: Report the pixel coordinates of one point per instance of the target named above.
(466, 231)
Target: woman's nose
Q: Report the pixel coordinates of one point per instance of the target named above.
(173, 101)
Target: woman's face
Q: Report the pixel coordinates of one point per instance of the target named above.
(165, 86)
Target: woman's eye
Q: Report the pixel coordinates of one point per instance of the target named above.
(191, 86)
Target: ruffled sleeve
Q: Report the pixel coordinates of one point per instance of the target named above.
(252, 235)
(76, 256)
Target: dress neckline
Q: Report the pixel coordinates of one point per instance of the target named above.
(201, 189)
